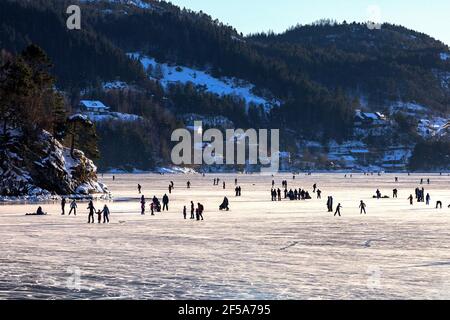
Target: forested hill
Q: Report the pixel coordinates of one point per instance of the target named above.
(319, 74)
(390, 63)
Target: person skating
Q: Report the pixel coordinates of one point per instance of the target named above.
(395, 193)
(99, 216)
(106, 214)
(91, 209)
(363, 206)
(184, 213)
(319, 194)
(224, 185)
(338, 210)
(139, 188)
(314, 188)
(279, 194)
(188, 184)
(200, 211)
(165, 202)
(192, 210)
(152, 208)
(63, 206)
(237, 191)
(142, 205)
(73, 207)
(170, 189)
(225, 205)
(428, 199)
(411, 200)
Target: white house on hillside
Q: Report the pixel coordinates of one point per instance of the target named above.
(93, 106)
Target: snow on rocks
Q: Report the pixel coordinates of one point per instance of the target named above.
(44, 170)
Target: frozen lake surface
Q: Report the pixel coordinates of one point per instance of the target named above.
(258, 250)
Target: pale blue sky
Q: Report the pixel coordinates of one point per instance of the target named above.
(431, 17)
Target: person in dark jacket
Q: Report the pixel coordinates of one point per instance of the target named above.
(165, 202)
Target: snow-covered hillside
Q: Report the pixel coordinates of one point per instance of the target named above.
(167, 74)
(137, 3)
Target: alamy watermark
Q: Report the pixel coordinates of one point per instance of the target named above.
(196, 147)
(73, 22)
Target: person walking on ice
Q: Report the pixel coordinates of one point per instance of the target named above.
(142, 205)
(192, 210)
(91, 209)
(411, 200)
(188, 184)
(338, 210)
(99, 216)
(106, 214)
(363, 206)
(63, 206)
(73, 207)
(184, 212)
(165, 202)
(139, 188)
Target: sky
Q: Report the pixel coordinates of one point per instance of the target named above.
(250, 16)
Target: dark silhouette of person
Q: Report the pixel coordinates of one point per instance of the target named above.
(170, 189)
(314, 188)
(142, 205)
(279, 194)
(99, 216)
(378, 193)
(237, 191)
(152, 208)
(200, 211)
(338, 210)
(235, 181)
(330, 204)
(39, 212)
(184, 213)
(188, 184)
(63, 206)
(411, 200)
(73, 207)
(439, 205)
(285, 193)
(106, 214)
(165, 202)
(214, 183)
(428, 199)
(192, 210)
(363, 206)
(224, 185)
(396, 179)
(114, 178)
(139, 188)
(225, 205)
(91, 209)
(319, 194)
(395, 193)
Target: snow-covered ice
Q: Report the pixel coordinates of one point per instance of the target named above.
(258, 250)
